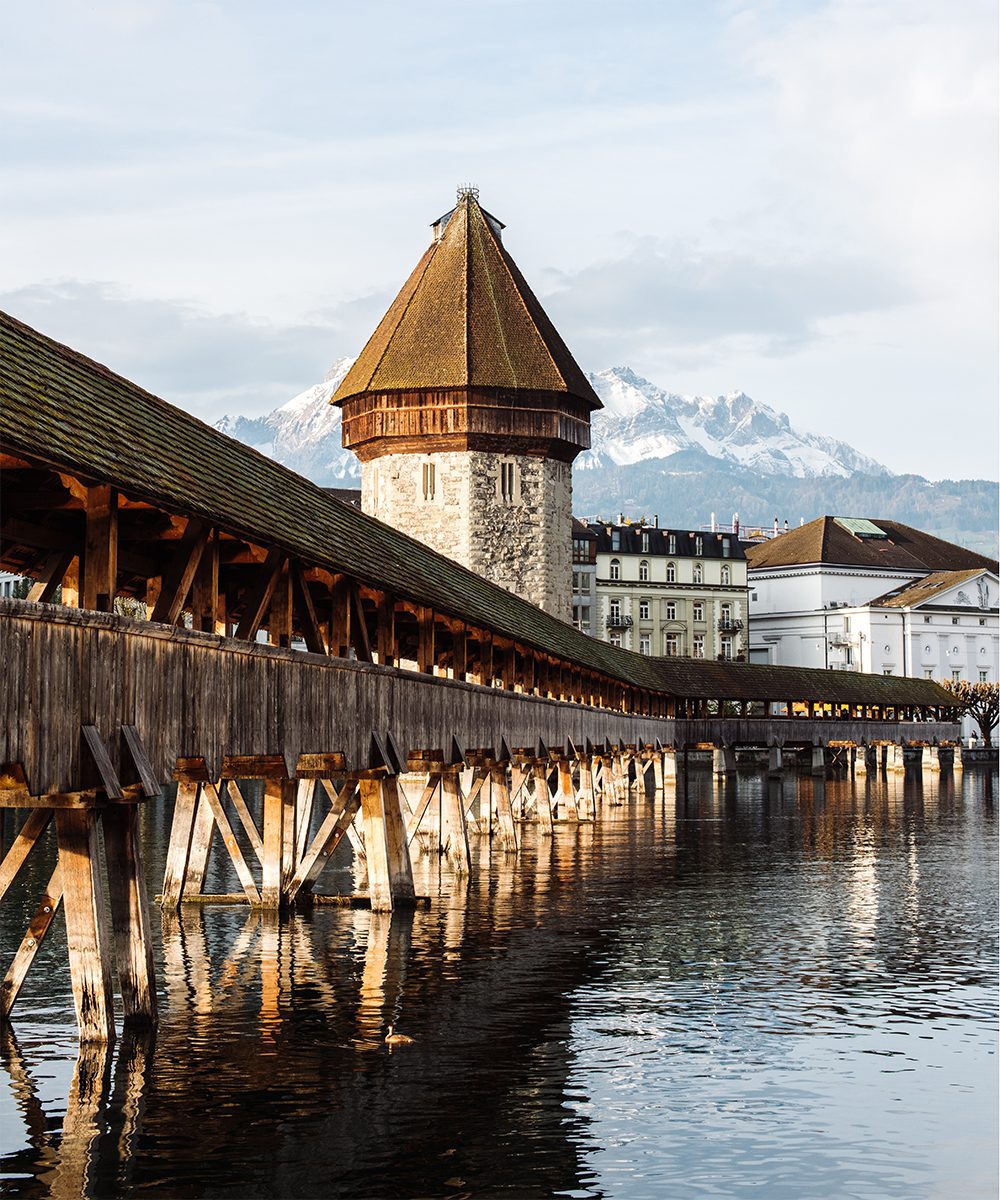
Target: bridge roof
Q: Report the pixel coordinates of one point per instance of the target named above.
(63, 409)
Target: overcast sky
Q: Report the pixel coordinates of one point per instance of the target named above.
(797, 200)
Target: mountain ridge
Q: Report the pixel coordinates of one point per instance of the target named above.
(681, 457)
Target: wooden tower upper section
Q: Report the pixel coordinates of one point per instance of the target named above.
(466, 358)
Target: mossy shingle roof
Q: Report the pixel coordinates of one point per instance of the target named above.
(466, 318)
(61, 408)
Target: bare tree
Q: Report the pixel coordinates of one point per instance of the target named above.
(980, 700)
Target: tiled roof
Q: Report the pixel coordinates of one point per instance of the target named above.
(826, 541)
(61, 408)
(925, 589)
(466, 318)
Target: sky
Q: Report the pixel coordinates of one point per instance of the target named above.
(796, 200)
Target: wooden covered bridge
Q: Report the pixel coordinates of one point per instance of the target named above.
(203, 615)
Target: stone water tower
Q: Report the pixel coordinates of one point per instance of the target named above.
(466, 410)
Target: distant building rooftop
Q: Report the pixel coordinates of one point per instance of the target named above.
(864, 542)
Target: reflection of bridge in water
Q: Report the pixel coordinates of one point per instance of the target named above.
(270, 1055)
(427, 704)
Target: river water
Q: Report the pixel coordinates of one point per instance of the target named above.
(746, 990)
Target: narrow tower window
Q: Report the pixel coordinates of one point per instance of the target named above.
(508, 482)
(428, 480)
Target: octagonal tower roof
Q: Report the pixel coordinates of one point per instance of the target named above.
(466, 318)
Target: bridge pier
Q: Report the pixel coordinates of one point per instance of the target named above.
(774, 761)
(817, 764)
(94, 930)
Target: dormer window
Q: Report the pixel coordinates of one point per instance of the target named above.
(699, 545)
(672, 543)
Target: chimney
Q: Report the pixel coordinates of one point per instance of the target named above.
(775, 526)
(736, 524)
(656, 520)
(714, 523)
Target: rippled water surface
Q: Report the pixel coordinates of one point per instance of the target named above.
(747, 990)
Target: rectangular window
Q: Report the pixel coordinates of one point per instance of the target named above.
(428, 480)
(507, 482)
(616, 539)
(982, 620)
(672, 544)
(984, 676)
(576, 581)
(643, 610)
(616, 610)
(670, 645)
(699, 545)
(645, 543)
(927, 620)
(847, 624)
(615, 639)
(954, 620)
(644, 643)
(726, 548)
(849, 656)
(697, 612)
(727, 648)
(670, 610)
(956, 676)
(698, 645)
(928, 674)
(887, 671)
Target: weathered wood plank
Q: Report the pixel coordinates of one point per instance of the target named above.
(30, 943)
(130, 914)
(35, 824)
(86, 924)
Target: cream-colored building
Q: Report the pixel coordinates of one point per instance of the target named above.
(671, 592)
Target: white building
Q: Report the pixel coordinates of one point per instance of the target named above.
(670, 592)
(874, 596)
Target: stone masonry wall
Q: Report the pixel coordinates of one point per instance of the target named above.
(522, 543)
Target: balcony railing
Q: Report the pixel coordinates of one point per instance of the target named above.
(617, 621)
(729, 625)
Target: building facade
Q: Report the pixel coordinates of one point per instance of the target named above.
(875, 596)
(466, 410)
(584, 578)
(670, 592)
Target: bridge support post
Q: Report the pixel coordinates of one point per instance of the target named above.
(774, 761)
(390, 876)
(454, 841)
(507, 829)
(946, 758)
(585, 799)
(568, 809)
(78, 884)
(817, 764)
(669, 765)
(894, 759)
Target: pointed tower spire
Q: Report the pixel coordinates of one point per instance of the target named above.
(466, 407)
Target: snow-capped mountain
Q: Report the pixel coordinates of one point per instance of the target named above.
(304, 434)
(681, 457)
(641, 421)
